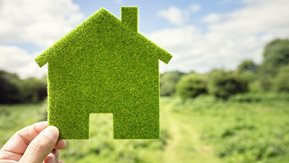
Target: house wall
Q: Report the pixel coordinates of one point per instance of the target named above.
(109, 70)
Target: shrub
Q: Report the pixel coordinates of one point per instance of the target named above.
(168, 82)
(191, 86)
(276, 56)
(280, 83)
(9, 91)
(15, 90)
(248, 140)
(33, 90)
(225, 84)
(255, 86)
(247, 66)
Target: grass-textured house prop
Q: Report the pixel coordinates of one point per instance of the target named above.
(105, 66)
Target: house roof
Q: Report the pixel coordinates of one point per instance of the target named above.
(101, 21)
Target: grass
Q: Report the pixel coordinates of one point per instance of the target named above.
(104, 66)
(14, 117)
(200, 130)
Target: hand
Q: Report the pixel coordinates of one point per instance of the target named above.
(33, 144)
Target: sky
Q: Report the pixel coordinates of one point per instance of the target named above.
(200, 34)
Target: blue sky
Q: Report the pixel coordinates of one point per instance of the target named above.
(148, 9)
(201, 35)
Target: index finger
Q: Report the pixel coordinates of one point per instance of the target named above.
(18, 143)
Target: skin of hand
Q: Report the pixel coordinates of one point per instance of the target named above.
(36, 143)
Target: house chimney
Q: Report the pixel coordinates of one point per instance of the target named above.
(129, 17)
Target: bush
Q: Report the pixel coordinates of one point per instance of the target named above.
(255, 86)
(247, 140)
(247, 66)
(276, 56)
(33, 90)
(15, 90)
(9, 91)
(280, 83)
(168, 83)
(191, 86)
(223, 85)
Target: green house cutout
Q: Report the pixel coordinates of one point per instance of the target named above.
(105, 66)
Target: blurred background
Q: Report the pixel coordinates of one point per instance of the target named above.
(224, 95)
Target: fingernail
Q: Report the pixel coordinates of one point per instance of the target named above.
(51, 158)
(41, 125)
(51, 132)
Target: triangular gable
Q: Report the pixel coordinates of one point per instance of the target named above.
(102, 17)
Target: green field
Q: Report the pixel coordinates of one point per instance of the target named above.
(247, 129)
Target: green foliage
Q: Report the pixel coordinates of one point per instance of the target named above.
(251, 79)
(276, 55)
(242, 140)
(247, 71)
(281, 81)
(226, 84)
(168, 82)
(104, 66)
(9, 89)
(246, 139)
(265, 79)
(219, 132)
(33, 89)
(254, 97)
(242, 131)
(247, 66)
(14, 117)
(255, 86)
(16, 90)
(191, 86)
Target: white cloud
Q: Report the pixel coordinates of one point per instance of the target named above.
(174, 15)
(39, 22)
(195, 8)
(17, 60)
(229, 38)
(32, 22)
(258, 17)
(118, 1)
(212, 18)
(178, 16)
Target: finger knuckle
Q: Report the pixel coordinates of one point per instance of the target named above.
(38, 146)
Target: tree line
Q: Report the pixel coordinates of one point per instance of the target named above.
(272, 75)
(16, 90)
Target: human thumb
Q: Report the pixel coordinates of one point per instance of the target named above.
(41, 146)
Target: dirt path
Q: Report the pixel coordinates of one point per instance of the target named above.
(184, 145)
(171, 154)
